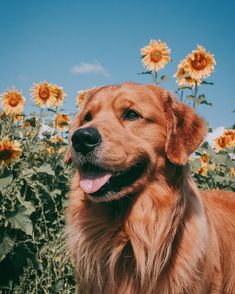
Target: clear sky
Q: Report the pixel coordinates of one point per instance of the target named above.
(80, 44)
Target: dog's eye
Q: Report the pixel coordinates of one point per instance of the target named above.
(130, 114)
(87, 117)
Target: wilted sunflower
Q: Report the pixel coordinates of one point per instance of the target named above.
(9, 151)
(155, 55)
(59, 95)
(199, 64)
(203, 170)
(12, 102)
(183, 78)
(62, 121)
(43, 94)
(227, 140)
(80, 97)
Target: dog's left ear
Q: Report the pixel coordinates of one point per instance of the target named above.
(185, 130)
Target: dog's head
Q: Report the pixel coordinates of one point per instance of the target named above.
(125, 133)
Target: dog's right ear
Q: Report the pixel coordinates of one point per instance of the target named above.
(67, 158)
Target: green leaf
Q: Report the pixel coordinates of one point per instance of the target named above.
(207, 83)
(195, 164)
(221, 159)
(52, 110)
(192, 98)
(201, 98)
(20, 220)
(27, 204)
(184, 88)
(219, 179)
(164, 78)
(27, 172)
(45, 168)
(206, 102)
(145, 72)
(5, 182)
(56, 192)
(5, 247)
(38, 148)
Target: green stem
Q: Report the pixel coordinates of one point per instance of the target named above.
(155, 77)
(181, 95)
(195, 95)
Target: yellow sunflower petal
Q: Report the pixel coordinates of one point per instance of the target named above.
(155, 55)
(12, 102)
(9, 151)
(59, 95)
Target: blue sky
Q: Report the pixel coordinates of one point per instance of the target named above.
(80, 44)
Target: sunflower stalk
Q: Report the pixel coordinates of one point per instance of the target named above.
(195, 94)
(155, 78)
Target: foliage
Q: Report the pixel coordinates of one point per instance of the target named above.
(33, 196)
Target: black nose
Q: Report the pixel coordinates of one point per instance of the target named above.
(85, 140)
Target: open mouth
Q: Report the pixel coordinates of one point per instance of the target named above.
(97, 181)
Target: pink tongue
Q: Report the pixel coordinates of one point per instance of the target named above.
(91, 182)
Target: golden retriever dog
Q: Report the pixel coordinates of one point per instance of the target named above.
(136, 222)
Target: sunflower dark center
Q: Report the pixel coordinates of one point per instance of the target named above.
(199, 62)
(14, 100)
(44, 93)
(5, 154)
(156, 55)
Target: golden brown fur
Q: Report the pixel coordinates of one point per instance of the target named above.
(160, 234)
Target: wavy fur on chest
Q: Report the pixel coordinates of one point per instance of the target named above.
(140, 245)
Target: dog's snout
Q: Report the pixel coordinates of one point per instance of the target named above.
(85, 140)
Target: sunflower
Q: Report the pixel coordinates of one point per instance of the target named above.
(12, 102)
(183, 77)
(232, 172)
(204, 158)
(55, 141)
(59, 95)
(81, 96)
(26, 124)
(199, 64)
(43, 94)
(155, 55)
(203, 170)
(9, 151)
(51, 150)
(204, 165)
(62, 121)
(227, 140)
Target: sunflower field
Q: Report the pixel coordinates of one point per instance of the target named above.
(34, 180)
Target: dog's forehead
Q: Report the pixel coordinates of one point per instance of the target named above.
(118, 95)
